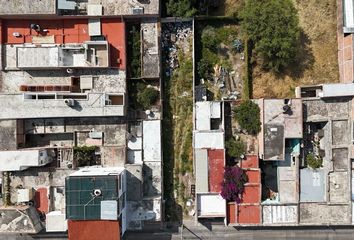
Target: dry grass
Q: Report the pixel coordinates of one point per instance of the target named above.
(317, 62)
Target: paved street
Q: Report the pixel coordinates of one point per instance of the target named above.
(252, 234)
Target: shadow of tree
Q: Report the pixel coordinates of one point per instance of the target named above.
(303, 61)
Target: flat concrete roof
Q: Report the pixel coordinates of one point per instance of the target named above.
(150, 49)
(124, 7)
(28, 7)
(16, 106)
(279, 126)
(89, 54)
(312, 185)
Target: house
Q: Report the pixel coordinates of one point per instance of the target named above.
(96, 203)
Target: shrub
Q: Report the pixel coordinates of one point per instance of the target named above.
(273, 26)
(181, 8)
(85, 156)
(235, 148)
(233, 185)
(313, 161)
(248, 116)
(147, 97)
(210, 39)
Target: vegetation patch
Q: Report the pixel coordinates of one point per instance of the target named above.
(273, 27)
(316, 61)
(134, 50)
(85, 156)
(314, 161)
(235, 148)
(248, 116)
(233, 184)
(147, 97)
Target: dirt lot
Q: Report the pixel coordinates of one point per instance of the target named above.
(317, 61)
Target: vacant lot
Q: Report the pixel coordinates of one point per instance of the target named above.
(317, 59)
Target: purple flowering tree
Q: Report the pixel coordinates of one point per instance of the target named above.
(233, 185)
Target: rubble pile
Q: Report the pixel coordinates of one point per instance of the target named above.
(176, 35)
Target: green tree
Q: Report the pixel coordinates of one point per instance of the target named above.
(235, 148)
(273, 27)
(248, 116)
(181, 8)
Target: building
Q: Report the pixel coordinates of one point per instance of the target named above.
(96, 199)
(209, 159)
(63, 87)
(53, 8)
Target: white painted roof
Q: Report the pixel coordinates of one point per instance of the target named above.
(348, 13)
(152, 140)
(204, 112)
(98, 171)
(211, 205)
(213, 140)
(337, 90)
(201, 170)
(19, 160)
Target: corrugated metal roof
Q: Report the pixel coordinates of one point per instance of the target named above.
(216, 170)
(201, 170)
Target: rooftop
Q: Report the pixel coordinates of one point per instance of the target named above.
(80, 7)
(25, 7)
(150, 49)
(46, 105)
(282, 119)
(348, 16)
(68, 32)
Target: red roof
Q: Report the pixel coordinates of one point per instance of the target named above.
(251, 161)
(216, 169)
(93, 230)
(68, 31)
(252, 194)
(41, 200)
(254, 176)
(249, 214)
(243, 214)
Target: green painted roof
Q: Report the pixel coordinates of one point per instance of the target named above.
(81, 204)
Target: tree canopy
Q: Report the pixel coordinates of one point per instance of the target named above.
(248, 116)
(273, 27)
